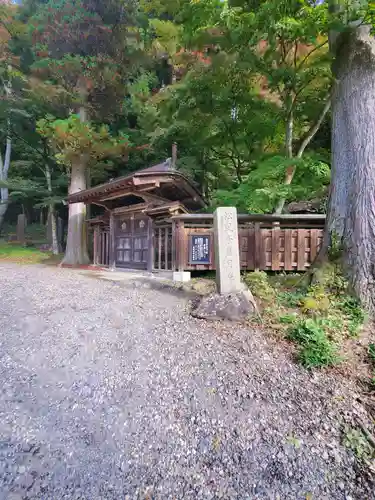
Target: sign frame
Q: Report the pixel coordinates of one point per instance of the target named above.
(206, 236)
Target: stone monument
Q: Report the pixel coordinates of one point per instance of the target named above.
(227, 254)
(233, 300)
(21, 226)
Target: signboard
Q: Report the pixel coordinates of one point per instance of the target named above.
(199, 248)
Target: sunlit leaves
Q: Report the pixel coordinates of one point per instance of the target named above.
(71, 139)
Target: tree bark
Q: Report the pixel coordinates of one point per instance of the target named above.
(52, 215)
(76, 245)
(351, 209)
(4, 169)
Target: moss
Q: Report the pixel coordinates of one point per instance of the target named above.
(21, 255)
(259, 285)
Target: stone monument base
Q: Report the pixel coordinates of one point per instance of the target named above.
(232, 306)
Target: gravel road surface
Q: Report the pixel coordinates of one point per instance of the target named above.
(110, 390)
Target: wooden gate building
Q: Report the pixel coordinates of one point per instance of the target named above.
(135, 231)
(147, 224)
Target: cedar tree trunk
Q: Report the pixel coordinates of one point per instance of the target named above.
(4, 191)
(76, 245)
(351, 211)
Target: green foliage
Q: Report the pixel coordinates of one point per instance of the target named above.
(316, 350)
(291, 298)
(21, 255)
(320, 317)
(71, 138)
(316, 301)
(264, 185)
(259, 285)
(351, 308)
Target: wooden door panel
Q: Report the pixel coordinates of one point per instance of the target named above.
(132, 242)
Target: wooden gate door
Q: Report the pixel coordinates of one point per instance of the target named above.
(132, 242)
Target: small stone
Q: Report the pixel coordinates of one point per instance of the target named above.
(27, 481)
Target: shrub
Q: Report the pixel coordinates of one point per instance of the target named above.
(288, 319)
(316, 301)
(291, 298)
(259, 285)
(316, 349)
(352, 309)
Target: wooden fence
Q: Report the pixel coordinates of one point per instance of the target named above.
(269, 243)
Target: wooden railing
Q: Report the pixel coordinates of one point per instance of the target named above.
(269, 243)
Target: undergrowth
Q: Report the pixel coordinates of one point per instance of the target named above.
(21, 255)
(318, 317)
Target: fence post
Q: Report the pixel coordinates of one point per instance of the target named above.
(95, 244)
(258, 246)
(150, 236)
(112, 243)
(180, 240)
(174, 245)
(275, 249)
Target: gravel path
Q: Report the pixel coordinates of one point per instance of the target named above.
(111, 391)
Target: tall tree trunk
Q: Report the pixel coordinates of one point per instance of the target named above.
(351, 210)
(51, 211)
(4, 169)
(290, 171)
(76, 245)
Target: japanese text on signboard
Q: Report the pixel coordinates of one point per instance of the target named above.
(200, 249)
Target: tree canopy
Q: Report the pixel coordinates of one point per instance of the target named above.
(91, 90)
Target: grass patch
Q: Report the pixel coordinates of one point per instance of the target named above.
(315, 347)
(22, 255)
(318, 318)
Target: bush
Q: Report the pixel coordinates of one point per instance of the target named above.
(291, 298)
(316, 301)
(259, 285)
(316, 349)
(356, 316)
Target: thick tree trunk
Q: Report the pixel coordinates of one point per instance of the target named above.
(76, 245)
(52, 215)
(351, 211)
